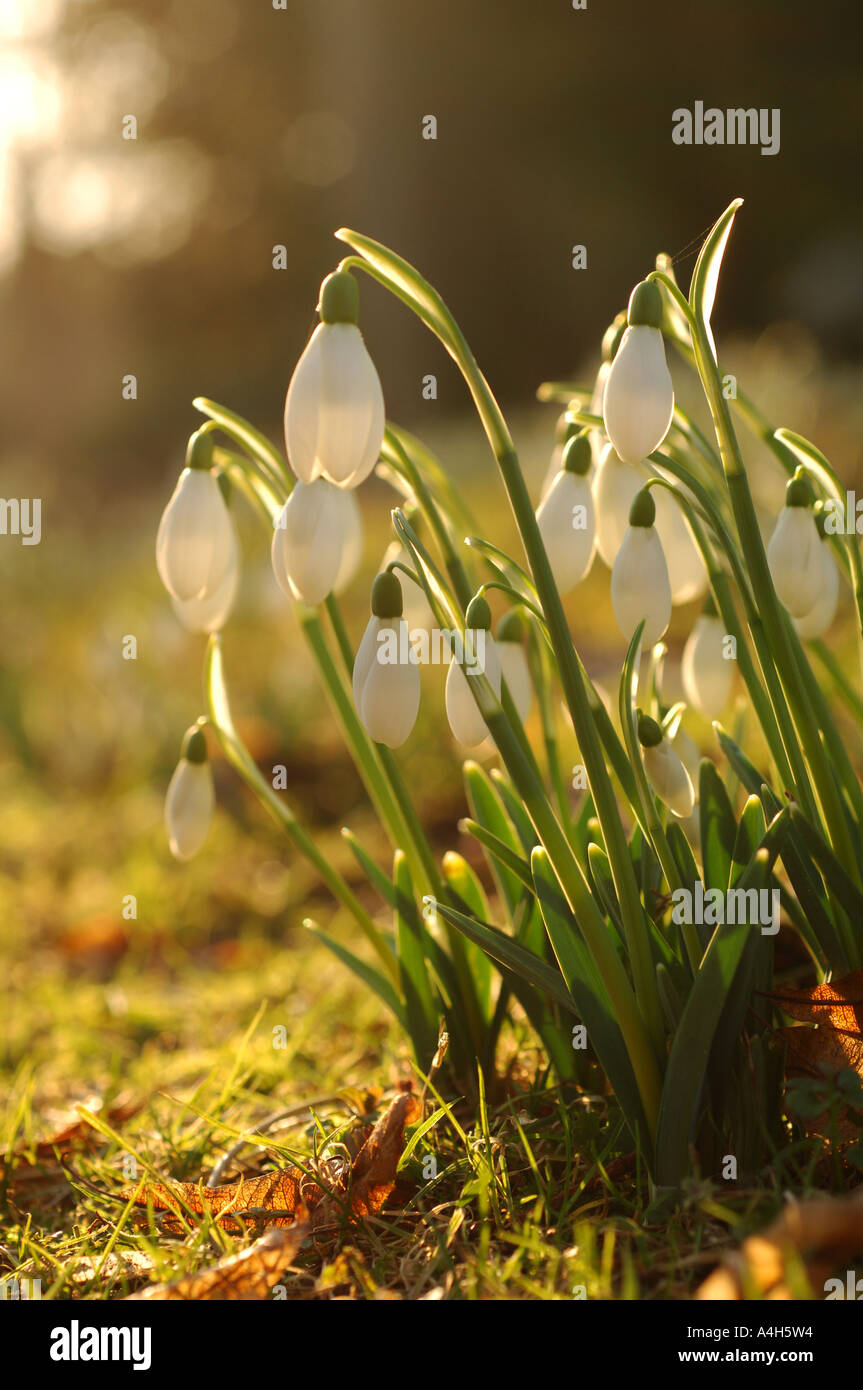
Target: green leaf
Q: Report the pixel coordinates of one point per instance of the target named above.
(485, 804)
(406, 282)
(718, 827)
(364, 972)
(469, 891)
(693, 1040)
(705, 276)
(421, 1011)
(496, 847)
(511, 954)
(750, 833)
(844, 889)
(586, 987)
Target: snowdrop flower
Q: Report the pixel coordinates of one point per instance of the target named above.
(352, 540)
(386, 678)
(566, 518)
(314, 538)
(686, 573)
(639, 579)
(794, 551)
(638, 403)
(610, 343)
(334, 409)
(195, 544)
(190, 799)
(416, 605)
(615, 487)
(816, 622)
(481, 657)
(665, 771)
(707, 671)
(513, 662)
(210, 614)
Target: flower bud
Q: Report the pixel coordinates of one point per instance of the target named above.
(334, 409)
(638, 402)
(386, 678)
(706, 671)
(794, 552)
(639, 579)
(313, 539)
(615, 486)
(665, 771)
(190, 798)
(195, 542)
(481, 658)
(513, 663)
(566, 518)
(816, 622)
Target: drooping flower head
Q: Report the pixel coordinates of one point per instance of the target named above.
(481, 658)
(566, 517)
(665, 771)
(196, 544)
(816, 622)
(794, 550)
(639, 579)
(334, 409)
(638, 402)
(706, 667)
(190, 798)
(513, 662)
(386, 678)
(317, 540)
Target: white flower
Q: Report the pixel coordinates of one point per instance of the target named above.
(195, 542)
(566, 518)
(665, 771)
(313, 536)
(481, 658)
(639, 579)
(190, 798)
(513, 664)
(615, 486)
(386, 678)
(352, 540)
(794, 553)
(686, 573)
(210, 614)
(638, 403)
(816, 622)
(707, 672)
(334, 409)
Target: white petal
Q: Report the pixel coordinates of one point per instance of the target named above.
(554, 466)
(352, 540)
(308, 541)
(669, 778)
(639, 585)
(614, 489)
(794, 557)
(686, 573)
(390, 692)
(189, 808)
(210, 614)
(194, 546)
(598, 440)
(366, 653)
(516, 673)
(334, 409)
(706, 671)
(567, 524)
(638, 403)
(465, 719)
(816, 622)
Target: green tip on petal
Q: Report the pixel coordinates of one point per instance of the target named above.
(339, 300)
(194, 747)
(577, 455)
(612, 336)
(649, 732)
(511, 627)
(226, 487)
(478, 614)
(199, 450)
(798, 493)
(645, 306)
(387, 596)
(566, 428)
(643, 509)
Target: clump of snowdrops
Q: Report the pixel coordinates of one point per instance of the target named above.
(581, 929)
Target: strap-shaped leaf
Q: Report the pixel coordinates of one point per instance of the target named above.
(718, 827)
(421, 1010)
(363, 971)
(511, 954)
(496, 847)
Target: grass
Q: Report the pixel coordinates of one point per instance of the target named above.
(534, 1197)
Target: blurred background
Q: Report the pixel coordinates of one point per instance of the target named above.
(259, 127)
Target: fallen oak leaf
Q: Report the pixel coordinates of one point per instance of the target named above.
(824, 1232)
(249, 1275)
(838, 1003)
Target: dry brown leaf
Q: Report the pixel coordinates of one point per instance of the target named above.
(824, 1232)
(291, 1202)
(838, 1004)
(32, 1166)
